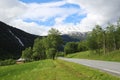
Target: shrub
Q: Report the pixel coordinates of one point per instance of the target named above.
(7, 62)
(70, 47)
(61, 54)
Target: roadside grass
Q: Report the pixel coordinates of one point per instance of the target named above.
(52, 70)
(112, 56)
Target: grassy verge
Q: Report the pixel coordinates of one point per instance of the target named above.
(113, 56)
(52, 70)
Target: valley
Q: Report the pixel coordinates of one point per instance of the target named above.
(52, 70)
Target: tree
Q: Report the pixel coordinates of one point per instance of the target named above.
(82, 46)
(95, 39)
(38, 50)
(53, 31)
(110, 37)
(91, 42)
(70, 47)
(51, 53)
(106, 40)
(53, 41)
(27, 53)
(54, 38)
(45, 46)
(118, 34)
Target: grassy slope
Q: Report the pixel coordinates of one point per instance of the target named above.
(113, 56)
(51, 70)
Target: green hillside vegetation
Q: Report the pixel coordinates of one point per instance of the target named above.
(102, 44)
(52, 70)
(112, 56)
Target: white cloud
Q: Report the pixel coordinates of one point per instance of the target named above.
(30, 27)
(11, 9)
(98, 12)
(14, 12)
(59, 20)
(45, 11)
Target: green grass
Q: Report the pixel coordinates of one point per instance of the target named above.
(52, 70)
(112, 56)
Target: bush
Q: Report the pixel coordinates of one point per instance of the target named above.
(70, 47)
(7, 62)
(60, 54)
(27, 53)
(82, 46)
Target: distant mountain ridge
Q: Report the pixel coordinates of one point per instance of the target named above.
(74, 36)
(13, 41)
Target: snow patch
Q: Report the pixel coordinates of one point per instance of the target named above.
(17, 38)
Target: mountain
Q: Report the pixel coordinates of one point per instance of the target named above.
(74, 36)
(13, 41)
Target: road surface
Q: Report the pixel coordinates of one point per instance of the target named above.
(110, 67)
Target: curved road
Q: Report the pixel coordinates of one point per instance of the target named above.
(107, 66)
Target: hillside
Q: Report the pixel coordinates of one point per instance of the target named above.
(111, 56)
(13, 41)
(52, 70)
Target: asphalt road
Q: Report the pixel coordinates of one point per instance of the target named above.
(107, 66)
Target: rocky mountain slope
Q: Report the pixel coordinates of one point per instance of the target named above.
(13, 41)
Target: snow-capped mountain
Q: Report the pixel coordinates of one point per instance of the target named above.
(74, 36)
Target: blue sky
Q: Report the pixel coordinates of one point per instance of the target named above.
(39, 1)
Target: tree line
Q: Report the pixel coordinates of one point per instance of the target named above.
(99, 40)
(73, 47)
(46, 47)
(105, 40)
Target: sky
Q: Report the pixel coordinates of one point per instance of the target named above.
(39, 16)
